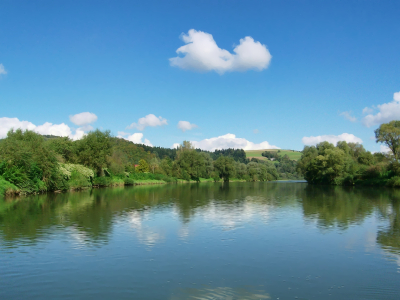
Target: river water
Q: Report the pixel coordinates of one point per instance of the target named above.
(272, 240)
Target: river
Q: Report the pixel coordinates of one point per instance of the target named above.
(263, 240)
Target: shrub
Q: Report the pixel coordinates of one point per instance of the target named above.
(78, 180)
(129, 181)
(394, 181)
(7, 188)
(102, 181)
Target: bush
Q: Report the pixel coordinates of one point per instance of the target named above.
(78, 181)
(129, 181)
(394, 181)
(102, 181)
(7, 188)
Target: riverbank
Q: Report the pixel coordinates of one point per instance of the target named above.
(7, 189)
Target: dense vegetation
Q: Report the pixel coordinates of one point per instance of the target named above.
(31, 163)
(351, 164)
(286, 167)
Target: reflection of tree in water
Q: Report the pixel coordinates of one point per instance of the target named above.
(221, 293)
(389, 238)
(341, 206)
(89, 215)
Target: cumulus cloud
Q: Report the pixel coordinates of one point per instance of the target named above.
(347, 115)
(313, 140)
(230, 141)
(7, 123)
(83, 118)
(2, 70)
(396, 96)
(148, 121)
(384, 149)
(185, 125)
(53, 129)
(136, 138)
(387, 112)
(367, 110)
(201, 53)
(121, 133)
(46, 129)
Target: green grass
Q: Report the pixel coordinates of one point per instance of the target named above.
(149, 181)
(7, 188)
(257, 153)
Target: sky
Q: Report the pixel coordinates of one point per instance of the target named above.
(239, 74)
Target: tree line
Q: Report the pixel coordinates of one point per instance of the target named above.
(350, 164)
(32, 163)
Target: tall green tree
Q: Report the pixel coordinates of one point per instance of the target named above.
(389, 134)
(225, 166)
(93, 150)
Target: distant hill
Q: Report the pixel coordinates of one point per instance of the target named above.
(293, 154)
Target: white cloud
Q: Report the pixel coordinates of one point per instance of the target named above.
(384, 149)
(230, 141)
(255, 131)
(83, 118)
(2, 70)
(121, 133)
(367, 110)
(53, 129)
(201, 53)
(175, 145)
(313, 140)
(135, 138)
(148, 121)
(396, 96)
(387, 112)
(347, 115)
(7, 123)
(185, 125)
(46, 129)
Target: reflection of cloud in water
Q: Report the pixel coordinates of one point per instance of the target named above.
(145, 235)
(80, 237)
(233, 216)
(220, 293)
(183, 232)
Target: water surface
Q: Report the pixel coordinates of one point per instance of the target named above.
(281, 240)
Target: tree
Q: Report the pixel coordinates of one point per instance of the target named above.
(143, 166)
(389, 134)
(63, 146)
(93, 150)
(154, 164)
(225, 166)
(191, 162)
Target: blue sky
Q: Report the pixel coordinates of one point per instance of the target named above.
(112, 59)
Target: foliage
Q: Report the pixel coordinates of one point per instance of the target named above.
(27, 162)
(348, 164)
(143, 166)
(93, 150)
(7, 188)
(102, 181)
(78, 181)
(225, 166)
(389, 134)
(64, 147)
(67, 169)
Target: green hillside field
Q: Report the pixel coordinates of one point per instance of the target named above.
(293, 154)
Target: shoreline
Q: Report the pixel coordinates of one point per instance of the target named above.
(11, 195)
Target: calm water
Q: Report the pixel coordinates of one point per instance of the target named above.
(207, 241)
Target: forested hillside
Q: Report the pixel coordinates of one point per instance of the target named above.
(31, 163)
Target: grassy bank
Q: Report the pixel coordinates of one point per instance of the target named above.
(293, 155)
